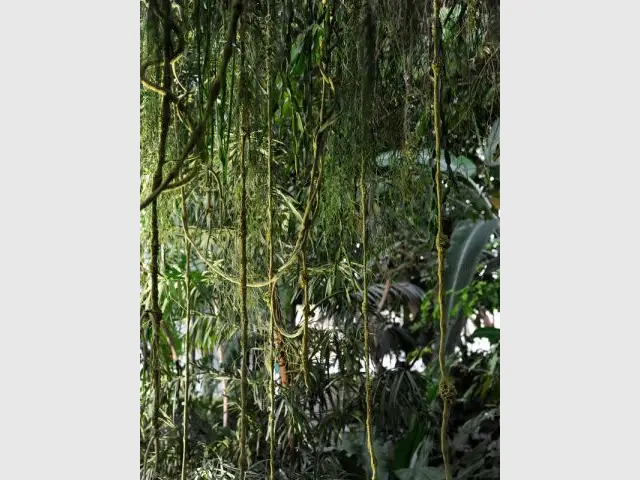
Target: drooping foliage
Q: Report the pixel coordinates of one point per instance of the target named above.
(289, 159)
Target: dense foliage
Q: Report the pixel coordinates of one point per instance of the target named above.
(272, 134)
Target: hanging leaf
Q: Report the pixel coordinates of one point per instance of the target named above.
(467, 243)
(296, 48)
(290, 202)
(299, 124)
(493, 140)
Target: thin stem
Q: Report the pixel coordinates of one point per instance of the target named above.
(272, 287)
(187, 345)
(244, 327)
(367, 90)
(156, 313)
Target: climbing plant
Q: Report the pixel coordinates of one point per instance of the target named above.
(312, 176)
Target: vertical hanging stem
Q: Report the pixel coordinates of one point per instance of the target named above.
(304, 273)
(366, 116)
(156, 313)
(272, 286)
(244, 327)
(304, 282)
(438, 177)
(365, 316)
(316, 149)
(446, 390)
(187, 342)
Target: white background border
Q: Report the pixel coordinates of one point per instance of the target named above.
(69, 240)
(69, 191)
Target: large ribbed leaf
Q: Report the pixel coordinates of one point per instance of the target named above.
(467, 243)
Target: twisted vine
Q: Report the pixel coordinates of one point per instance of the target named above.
(244, 321)
(303, 233)
(317, 149)
(198, 130)
(446, 389)
(156, 313)
(272, 287)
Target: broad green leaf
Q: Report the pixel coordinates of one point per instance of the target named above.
(407, 445)
(459, 164)
(490, 333)
(467, 243)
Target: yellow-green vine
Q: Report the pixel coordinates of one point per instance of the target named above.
(304, 282)
(187, 341)
(365, 138)
(244, 321)
(156, 313)
(199, 129)
(446, 390)
(365, 319)
(272, 286)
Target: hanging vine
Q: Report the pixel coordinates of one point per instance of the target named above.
(242, 233)
(446, 388)
(197, 131)
(339, 220)
(272, 287)
(187, 341)
(367, 90)
(155, 311)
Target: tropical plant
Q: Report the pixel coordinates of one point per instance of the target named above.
(290, 207)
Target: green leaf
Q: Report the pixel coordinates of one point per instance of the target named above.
(300, 124)
(467, 243)
(296, 48)
(422, 473)
(407, 445)
(493, 140)
(490, 333)
(290, 202)
(459, 164)
(298, 66)
(286, 107)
